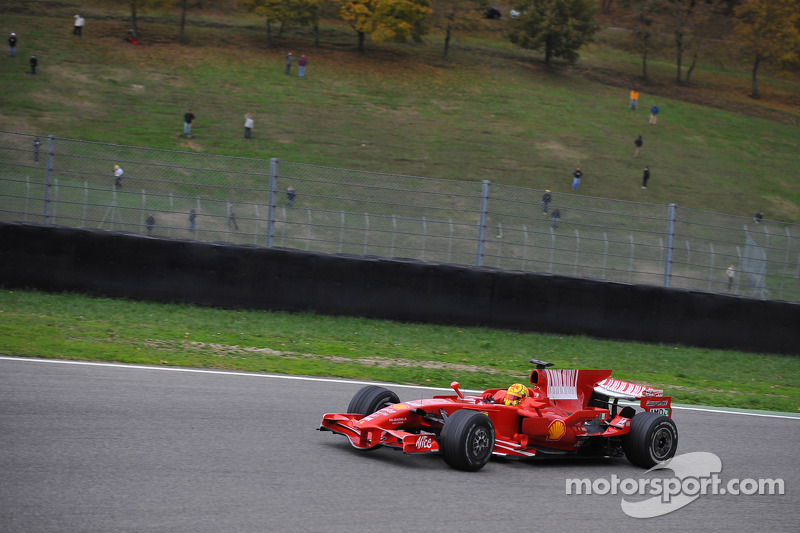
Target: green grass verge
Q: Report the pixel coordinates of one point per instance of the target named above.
(69, 326)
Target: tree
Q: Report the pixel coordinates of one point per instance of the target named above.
(560, 27)
(687, 18)
(386, 19)
(285, 12)
(644, 12)
(605, 6)
(770, 31)
(457, 15)
(140, 6)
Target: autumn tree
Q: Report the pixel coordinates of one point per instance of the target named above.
(605, 6)
(386, 20)
(457, 15)
(770, 32)
(184, 5)
(285, 13)
(138, 7)
(559, 27)
(687, 19)
(644, 13)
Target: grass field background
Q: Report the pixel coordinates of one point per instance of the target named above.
(66, 326)
(491, 111)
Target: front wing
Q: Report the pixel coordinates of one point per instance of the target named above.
(369, 437)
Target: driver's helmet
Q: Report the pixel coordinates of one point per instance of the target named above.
(515, 394)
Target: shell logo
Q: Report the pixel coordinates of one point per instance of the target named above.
(399, 406)
(556, 430)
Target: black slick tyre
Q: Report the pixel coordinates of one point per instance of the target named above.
(467, 440)
(370, 399)
(653, 438)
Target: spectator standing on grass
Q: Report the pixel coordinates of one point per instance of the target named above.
(302, 64)
(638, 142)
(546, 199)
(12, 45)
(188, 119)
(117, 176)
(759, 217)
(576, 178)
(151, 222)
(248, 126)
(290, 194)
(634, 99)
(37, 144)
(78, 28)
(645, 177)
(34, 62)
(288, 69)
(654, 114)
(192, 219)
(232, 217)
(556, 217)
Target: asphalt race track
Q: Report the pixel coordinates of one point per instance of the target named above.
(107, 448)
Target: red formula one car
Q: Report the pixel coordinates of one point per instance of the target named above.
(561, 412)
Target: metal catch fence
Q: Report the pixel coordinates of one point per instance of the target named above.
(185, 195)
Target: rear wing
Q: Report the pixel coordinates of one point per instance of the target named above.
(651, 399)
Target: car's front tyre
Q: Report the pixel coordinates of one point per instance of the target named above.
(370, 399)
(467, 440)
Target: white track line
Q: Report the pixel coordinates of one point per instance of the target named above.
(788, 416)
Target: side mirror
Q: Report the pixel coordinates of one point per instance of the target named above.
(454, 386)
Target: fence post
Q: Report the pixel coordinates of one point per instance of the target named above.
(424, 235)
(366, 232)
(670, 243)
(450, 243)
(482, 223)
(394, 234)
(51, 144)
(630, 265)
(273, 193)
(524, 246)
(711, 269)
(499, 244)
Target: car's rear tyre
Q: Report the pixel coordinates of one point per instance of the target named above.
(370, 399)
(467, 440)
(653, 438)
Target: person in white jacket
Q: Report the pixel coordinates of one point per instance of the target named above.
(248, 126)
(78, 28)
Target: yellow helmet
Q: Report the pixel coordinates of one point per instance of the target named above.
(116, 167)
(515, 394)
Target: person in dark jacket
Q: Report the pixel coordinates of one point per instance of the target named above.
(12, 45)
(645, 177)
(33, 63)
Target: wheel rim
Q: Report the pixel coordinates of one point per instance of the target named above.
(480, 442)
(662, 443)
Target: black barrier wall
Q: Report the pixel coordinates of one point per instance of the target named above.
(134, 266)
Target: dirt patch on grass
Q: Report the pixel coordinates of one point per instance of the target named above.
(558, 151)
(227, 350)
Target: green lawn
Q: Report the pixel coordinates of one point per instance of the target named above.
(67, 326)
(491, 112)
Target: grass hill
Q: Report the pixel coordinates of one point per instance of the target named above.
(491, 111)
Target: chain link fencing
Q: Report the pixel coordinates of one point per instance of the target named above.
(185, 195)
